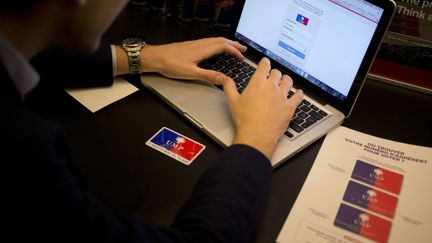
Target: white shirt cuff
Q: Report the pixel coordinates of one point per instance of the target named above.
(114, 60)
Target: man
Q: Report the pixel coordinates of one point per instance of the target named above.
(44, 200)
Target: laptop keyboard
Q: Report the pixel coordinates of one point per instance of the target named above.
(239, 71)
(307, 114)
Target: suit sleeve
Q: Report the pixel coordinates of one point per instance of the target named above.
(226, 205)
(69, 69)
(229, 199)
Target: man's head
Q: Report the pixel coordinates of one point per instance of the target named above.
(76, 24)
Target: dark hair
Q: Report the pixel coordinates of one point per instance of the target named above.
(16, 5)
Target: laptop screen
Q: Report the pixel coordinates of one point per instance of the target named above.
(323, 41)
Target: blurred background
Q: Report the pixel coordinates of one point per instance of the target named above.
(215, 13)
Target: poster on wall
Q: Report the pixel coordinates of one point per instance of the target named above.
(405, 56)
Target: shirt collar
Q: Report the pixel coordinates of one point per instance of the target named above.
(18, 67)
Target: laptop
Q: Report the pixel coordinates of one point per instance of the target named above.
(326, 46)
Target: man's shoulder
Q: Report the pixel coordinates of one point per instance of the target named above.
(20, 127)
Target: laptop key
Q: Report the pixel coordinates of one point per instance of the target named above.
(217, 67)
(295, 127)
(290, 135)
(224, 70)
(305, 108)
(230, 66)
(323, 113)
(239, 66)
(314, 107)
(298, 120)
(236, 71)
(311, 120)
(315, 115)
(307, 124)
(302, 114)
(222, 62)
(232, 61)
(243, 75)
(250, 70)
(232, 75)
(238, 80)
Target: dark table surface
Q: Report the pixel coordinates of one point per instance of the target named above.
(125, 174)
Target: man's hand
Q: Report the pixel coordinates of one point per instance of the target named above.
(180, 60)
(262, 112)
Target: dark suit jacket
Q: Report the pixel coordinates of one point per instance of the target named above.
(44, 199)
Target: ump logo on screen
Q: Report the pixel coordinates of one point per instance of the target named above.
(302, 19)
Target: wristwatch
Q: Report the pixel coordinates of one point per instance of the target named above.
(133, 47)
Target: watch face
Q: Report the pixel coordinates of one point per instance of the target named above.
(131, 42)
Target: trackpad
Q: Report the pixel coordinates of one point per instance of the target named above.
(209, 107)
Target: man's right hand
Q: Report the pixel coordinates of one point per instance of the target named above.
(262, 112)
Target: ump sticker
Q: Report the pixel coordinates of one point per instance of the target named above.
(371, 199)
(378, 177)
(363, 223)
(175, 145)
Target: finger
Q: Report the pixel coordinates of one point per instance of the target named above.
(235, 44)
(296, 99)
(236, 49)
(233, 51)
(275, 76)
(210, 75)
(239, 46)
(263, 69)
(230, 89)
(214, 46)
(286, 84)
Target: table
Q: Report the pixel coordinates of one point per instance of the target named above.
(125, 174)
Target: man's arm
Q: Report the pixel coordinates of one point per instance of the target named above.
(228, 202)
(67, 68)
(180, 60)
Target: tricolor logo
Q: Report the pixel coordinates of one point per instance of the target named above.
(175, 145)
(362, 223)
(378, 177)
(302, 19)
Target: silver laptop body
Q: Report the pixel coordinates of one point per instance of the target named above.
(206, 106)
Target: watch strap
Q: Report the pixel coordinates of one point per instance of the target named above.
(133, 47)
